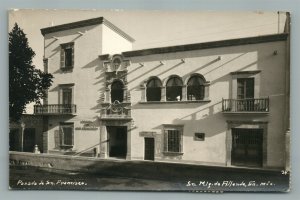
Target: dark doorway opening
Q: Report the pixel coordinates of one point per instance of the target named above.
(117, 141)
(29, 140)
(14, 140)
(149, 149)
(247, 147)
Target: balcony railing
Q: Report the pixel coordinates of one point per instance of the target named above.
(245, 105)
(54, 109)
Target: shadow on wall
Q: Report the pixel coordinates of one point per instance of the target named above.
(57, 49)
(145, 73)
(92, 64)
(209, 118)
(212, 122)
(98, 106)
(189, 73)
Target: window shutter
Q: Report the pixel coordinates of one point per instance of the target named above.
(57, 138)
(72, 139)
(165, 140)
(61, 135)
(72, 46)
(180, 140)
(62, 57)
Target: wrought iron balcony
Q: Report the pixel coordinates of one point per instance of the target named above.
(55, 109)
(260, 105)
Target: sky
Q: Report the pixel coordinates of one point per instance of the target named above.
(153, 28)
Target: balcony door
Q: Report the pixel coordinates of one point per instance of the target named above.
(67, 100)
(67, 96)
(245, 88)
(245, 94)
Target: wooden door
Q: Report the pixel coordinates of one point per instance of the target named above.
(149, 149)
(247, 147)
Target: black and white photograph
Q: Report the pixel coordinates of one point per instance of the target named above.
(141, 100)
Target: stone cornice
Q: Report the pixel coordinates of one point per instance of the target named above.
(83, 23)
(208, 45)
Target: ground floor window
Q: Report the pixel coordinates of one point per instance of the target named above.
(173, 136)
(67, 135)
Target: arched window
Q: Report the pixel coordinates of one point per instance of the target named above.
(174, 89)
(153, 91)
(117, 92)
(195, 88)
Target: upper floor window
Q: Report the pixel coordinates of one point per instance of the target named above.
(195, 88)
(245, 88)
(174, 89)
(153, 90)
(117, 92)
(67, 56)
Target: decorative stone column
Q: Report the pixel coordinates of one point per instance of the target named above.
(103, 141)
(125, 90)
(107, 94)
(143, 93)
(163, 93)
(206, 90)
(129, 127)
(184, 93)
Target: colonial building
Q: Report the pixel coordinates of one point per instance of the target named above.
(220, 103)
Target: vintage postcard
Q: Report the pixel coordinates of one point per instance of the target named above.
(188, 101)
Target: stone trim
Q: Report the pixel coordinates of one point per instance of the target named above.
(245, 72)
(83, 23)
(175, 102)
(208, 45)
(104, 135)
(255, 124)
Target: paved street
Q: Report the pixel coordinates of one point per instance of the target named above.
(211, 179)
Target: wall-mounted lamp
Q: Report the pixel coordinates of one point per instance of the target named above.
(275, 52)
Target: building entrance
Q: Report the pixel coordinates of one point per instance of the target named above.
(14, 140)
(117, 141)
(29, 140)
(247, 147)
(149, 149)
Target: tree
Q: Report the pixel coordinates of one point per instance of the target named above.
(26, 83)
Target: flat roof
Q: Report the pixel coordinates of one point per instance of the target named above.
(208, 45)
(83, 23)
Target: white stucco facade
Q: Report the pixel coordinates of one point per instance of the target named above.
(97, 121)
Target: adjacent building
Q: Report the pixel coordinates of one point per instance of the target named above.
(223, 103)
